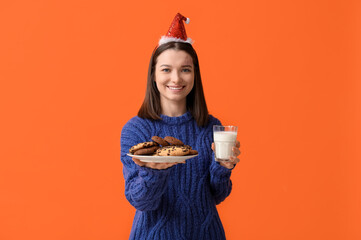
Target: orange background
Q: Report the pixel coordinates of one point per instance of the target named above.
(286, 72)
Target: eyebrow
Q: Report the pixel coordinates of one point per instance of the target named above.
(165, 65)
(187, 66)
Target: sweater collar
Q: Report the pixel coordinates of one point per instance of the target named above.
(177, 120)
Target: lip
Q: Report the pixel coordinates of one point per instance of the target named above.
(176, 88)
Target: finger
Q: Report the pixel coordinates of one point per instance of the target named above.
(236, 151)
(234, 160)
(138, 162)
(152, 165)
(228, 165)
(238, 144)
(212, 146)
(160, 166)
(166, 165)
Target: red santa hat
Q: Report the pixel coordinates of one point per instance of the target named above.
(176, 32)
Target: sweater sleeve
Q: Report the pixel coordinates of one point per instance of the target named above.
(221, 183)
(220, 177)
(144, 186)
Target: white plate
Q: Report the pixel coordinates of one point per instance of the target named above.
(162, 159)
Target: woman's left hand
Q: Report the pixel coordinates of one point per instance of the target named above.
(232, 160)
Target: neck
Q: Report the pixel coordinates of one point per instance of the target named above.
(173, 109)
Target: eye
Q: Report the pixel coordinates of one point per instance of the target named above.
(186, 70)
(165, 70)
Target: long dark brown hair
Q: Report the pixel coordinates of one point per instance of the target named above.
(196, 103)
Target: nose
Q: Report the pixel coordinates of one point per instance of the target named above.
(176, 78)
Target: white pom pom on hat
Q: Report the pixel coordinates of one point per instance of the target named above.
(176, 32)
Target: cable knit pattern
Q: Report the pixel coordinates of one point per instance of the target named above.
(178, 202)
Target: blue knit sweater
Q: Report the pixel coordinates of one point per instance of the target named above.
(178, 202)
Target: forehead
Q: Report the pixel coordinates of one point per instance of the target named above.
(174, 57)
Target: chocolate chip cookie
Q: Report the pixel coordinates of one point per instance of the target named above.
(146, 151)
(173, 151)
(173, 141)
(160, 141)
(193, 152)
(135, 148)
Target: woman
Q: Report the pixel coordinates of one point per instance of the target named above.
(175, 201)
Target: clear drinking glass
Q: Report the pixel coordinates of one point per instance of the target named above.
(224, 140)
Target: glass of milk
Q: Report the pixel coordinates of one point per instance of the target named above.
(224, 140)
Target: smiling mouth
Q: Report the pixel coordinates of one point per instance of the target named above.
(175, 88)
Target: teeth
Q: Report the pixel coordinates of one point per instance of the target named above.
(173, 88)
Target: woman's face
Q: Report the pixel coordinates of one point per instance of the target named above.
(174, 76)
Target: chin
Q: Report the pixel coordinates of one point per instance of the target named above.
(177, 99)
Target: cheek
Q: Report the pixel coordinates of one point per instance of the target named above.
(161, 78)
(191, 87)
(159, 85)
(191, 81)
(158, 80)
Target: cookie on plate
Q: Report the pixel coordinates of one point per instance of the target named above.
(160, 141)
(173, 141)
(173, 151)
(138, 146)
(146, 151)
(193, 152)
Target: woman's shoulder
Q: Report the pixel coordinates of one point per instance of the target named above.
(212, 120)
(137, 123)
(135, 120)
(137, 128)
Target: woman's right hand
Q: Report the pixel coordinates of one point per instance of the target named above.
(153, 165)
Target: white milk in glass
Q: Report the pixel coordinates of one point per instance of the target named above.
(224, 141)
